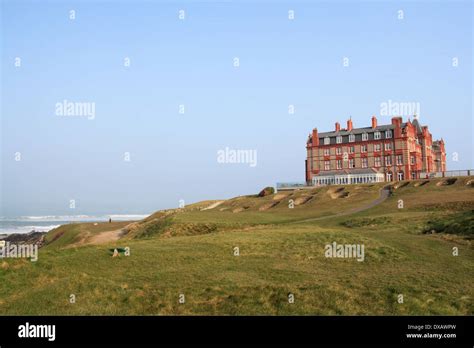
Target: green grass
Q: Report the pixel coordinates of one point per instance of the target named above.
(461, 223)
(367, 222)
(192, 253)
(67, 235)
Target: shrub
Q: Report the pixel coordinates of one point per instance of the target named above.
(266, 191)
(458, 223)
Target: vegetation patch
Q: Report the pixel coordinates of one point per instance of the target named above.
(302, 200)
(459, 223)
(267, 191)
(448, 206)
(447, 182)
(339, 192)
(277, 257)
(239, 209)
(366, 222)
(400, 185)
(154, 227)
(63, 235)
(279, 196)
(268, 206)
(189, 229)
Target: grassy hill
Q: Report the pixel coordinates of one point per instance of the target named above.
(408, 239)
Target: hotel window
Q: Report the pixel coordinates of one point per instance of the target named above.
(326, 152)
(351, 149)
(338, 150)
(378, 162)
(327, 165)
(339, 164)
(365, 136)
(399, 160)
(388, 160)
(351, 163)
(412, 159)
(377, 135)
(326, 141)
(388, 134)
(388, 146)
(352, 138)
(339, 139)
(377, 147)
(365, 162)
(363, 148)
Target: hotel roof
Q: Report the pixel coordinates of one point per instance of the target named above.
(359, 130)
(344, 133)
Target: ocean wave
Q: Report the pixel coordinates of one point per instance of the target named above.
(26, 229)
(54, 217)
(129, 216)
(45, 223)
(75, 218)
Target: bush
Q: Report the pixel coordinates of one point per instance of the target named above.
(266, 191)
(154, 227)
(459, 223)
(368, 222)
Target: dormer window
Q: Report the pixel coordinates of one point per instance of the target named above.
(365, 136)
(339, 139)
(326, 141)
(388, 134)
(352, 138)
(377, 135)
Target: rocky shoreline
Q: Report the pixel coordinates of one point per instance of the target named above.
(33, 237)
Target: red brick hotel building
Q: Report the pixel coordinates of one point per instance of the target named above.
(396, 151)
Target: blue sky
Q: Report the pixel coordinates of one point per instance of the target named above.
(190, 62)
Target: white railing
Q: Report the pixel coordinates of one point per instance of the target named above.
(448, 173)
(292, 185)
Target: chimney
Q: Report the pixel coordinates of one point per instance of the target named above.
(338, 127)
(349, 124)
(315, 137)
(374, 122)
(397, 121)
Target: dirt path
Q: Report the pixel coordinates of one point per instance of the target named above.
(384, 193)
(99, 238)
(213, 205)
(105, 237)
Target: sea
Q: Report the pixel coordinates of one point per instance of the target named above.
(26, 224)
